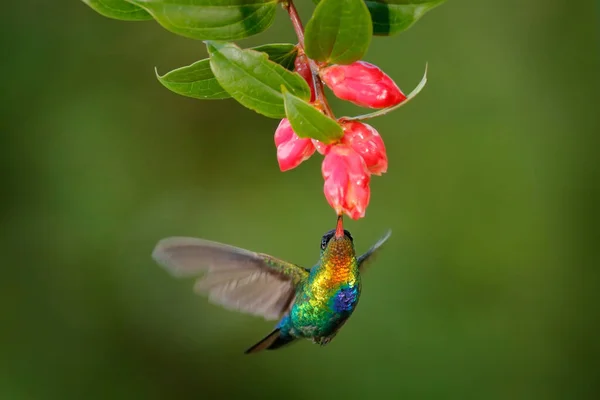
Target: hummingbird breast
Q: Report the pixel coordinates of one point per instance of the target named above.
(327, 298)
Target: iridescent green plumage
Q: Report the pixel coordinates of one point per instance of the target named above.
(312, 304)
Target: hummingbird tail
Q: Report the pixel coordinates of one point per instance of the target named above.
(272, 341)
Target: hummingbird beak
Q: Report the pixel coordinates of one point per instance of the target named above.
(339, 229)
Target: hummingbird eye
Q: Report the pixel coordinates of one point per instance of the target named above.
(323, 243)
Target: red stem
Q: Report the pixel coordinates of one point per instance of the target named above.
(296, 21)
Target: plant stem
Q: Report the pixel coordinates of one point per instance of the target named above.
(319, 88)
(296, 21)
(320, 98)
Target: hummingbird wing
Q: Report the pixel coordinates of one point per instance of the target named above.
(368, 257)
(237, 279)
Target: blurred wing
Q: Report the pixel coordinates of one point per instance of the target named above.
(234, 278)
(369, 256)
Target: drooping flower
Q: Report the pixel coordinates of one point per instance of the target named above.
(367, 142)
(363, 84)
(350, 161)
(292, 150)
(347, 180)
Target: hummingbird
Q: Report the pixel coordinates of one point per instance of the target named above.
(307, 303)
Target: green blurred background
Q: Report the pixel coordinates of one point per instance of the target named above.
(485, 290)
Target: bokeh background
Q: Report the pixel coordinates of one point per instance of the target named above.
(486, 290)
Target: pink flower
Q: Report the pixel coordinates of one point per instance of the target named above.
(365, 140)
(302, 67)
(291, 149)
(347, 180)
(363, 84)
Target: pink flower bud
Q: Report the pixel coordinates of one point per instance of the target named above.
(302, 67)
(291, 149)
(363, 84)
(365, 140)
(347, 180)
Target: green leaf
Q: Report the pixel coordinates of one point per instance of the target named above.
(198, 81)
(390, 17)
(212, 19)
(195, 80)
(394, 16)
(339, 32)
(118, 9)
(254, 80)
(283, 54)
(309, 122)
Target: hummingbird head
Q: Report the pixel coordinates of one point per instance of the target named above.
(337, 242)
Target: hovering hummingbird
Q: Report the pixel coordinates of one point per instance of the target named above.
(308, 303)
